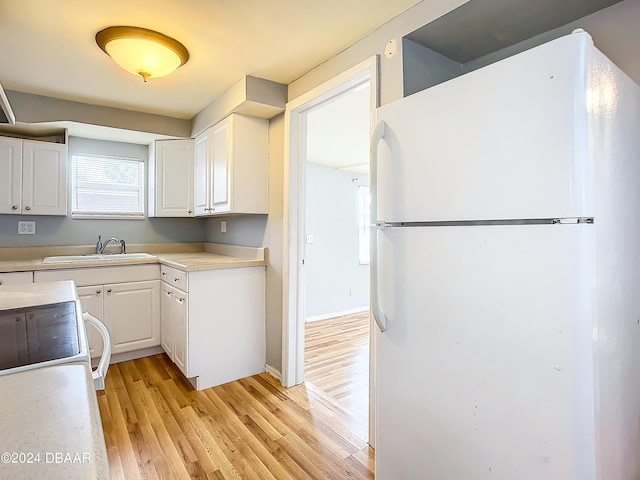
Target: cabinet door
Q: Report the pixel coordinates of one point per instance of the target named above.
(166, 317)
(174, 180)
(132, 314)
(202, 173)
(91, 299)
(221, 144)
(179, 330)
(10, 175)
(13, 340)
(44, 178)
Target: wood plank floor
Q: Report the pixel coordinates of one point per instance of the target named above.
(157, 426)
(337, 362)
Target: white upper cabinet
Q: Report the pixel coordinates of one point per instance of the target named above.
(33, 177)
(171, 182)
(231, 164)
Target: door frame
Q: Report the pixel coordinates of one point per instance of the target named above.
(293, 292)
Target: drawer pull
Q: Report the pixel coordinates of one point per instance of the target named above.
(176, 279)
(108, 290)
(27, 208)
(98, 292)
(14, 207)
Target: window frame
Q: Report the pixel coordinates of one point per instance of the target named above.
(87, 215)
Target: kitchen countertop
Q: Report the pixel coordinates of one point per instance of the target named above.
(31, 294)
(50, 425)
(212, 257)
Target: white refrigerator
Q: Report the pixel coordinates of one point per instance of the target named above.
(506, 272)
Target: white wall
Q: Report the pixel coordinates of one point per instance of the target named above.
(331, 261)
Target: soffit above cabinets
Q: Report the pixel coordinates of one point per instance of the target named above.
(480, 27)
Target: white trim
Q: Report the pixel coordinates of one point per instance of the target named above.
(326, 316)
(293, 243)
(274, 372)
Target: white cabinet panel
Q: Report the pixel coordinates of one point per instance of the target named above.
(172, 175)
(132, 314)
(202, 178)
(44, 178)
(220, 164)
(10, 175)
(33, 177)
(91, 299)
(180, 330)
(166, 316)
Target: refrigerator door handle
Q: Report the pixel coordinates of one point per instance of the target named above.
(378, 314)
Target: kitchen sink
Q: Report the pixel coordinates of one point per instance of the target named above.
(114, 257)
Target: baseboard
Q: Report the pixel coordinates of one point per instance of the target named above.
(325, 316)
(274, 373)
(123, 357)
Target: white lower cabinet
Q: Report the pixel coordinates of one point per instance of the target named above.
(215, 330)
(129, 309)
(173, 325)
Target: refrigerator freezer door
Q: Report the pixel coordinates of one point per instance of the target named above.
(486, 369)
(505, 141)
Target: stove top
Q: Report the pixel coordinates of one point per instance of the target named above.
(31, 335)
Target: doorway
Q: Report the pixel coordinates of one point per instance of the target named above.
(297, 117)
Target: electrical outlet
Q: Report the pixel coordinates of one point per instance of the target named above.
(26, 228)
(223, 226)
(352, 292)
(309, 238)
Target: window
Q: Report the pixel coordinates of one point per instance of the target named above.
(364, 202)
(104, 186)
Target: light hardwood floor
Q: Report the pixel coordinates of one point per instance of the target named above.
(337, 362)
(157, 426)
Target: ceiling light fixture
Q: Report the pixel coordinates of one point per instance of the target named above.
(141, 51)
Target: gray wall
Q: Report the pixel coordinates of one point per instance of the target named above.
(331, 261)
(423, 68)
(67, 231)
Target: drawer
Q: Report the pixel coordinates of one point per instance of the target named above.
(174, 277)
(16, 278)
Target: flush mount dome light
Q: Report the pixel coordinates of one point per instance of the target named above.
(141, 51)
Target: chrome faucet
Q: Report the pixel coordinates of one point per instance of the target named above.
(100, 246)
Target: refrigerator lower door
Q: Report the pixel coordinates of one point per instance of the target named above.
(486, 369)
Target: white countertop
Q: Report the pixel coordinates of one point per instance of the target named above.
(213, 257)
(50, 425)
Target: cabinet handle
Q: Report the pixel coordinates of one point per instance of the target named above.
(27, 208)
(176, 279)
(98, 292)
(108, 290)
(164, 273)
(14, 207)
(189, 212)
(0, 282)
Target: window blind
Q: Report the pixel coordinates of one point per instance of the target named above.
(104, 185)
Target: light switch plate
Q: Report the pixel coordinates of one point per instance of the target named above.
(26, 228)
(223, 226)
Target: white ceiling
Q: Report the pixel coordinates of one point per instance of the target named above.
(47, 47)
(338, 132)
